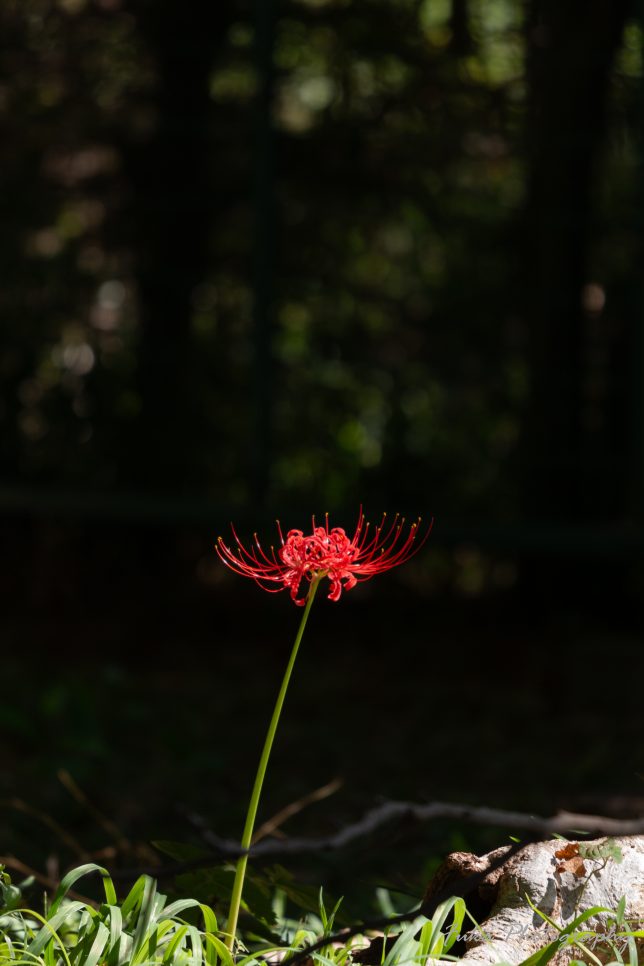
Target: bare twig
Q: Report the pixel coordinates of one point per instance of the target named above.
(561, 823)
(21, 806)
(477, 815)
(77, 793)
(272, 824)
(122, 843)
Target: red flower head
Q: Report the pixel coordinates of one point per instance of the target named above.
(324, 553)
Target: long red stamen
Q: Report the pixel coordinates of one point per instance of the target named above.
(324, 552)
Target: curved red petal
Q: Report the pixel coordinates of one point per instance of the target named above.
(325, 552)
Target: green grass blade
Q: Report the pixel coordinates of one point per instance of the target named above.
(633, 956)
(225, 955)
(156, 941)
(406, 944)
(6, 950)
(116, 925)
(74, 875)
(333, 914)
(197, 945)
(95, 952)
(50, 928)
(543, 956)
(431, 933)
(124, 955)
(322, 910)
(209, 918)
(133, 899)
(175, 943)
(459, 911)
(180, 905)
(146, 913)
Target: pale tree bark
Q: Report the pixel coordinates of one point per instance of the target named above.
(510, 929)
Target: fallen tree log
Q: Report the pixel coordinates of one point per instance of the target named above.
(560, 879)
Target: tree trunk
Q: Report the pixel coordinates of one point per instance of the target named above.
(173, 177)
(459, 23)
(571, 49)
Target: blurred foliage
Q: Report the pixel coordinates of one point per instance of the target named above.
(309, 258)
(141, 209)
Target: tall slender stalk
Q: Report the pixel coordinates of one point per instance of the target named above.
(240, 872)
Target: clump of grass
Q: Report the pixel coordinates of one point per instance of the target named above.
(145, 929)
(142, 929)
(415, 942)
(615, 945)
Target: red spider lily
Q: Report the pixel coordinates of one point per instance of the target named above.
(324, 553)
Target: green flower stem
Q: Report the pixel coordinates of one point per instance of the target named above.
(238, 884)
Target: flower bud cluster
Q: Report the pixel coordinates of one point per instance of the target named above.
(324, 553)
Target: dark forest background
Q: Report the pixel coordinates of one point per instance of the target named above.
(293, 256)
